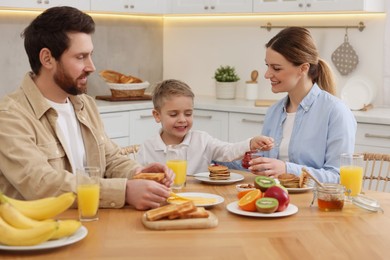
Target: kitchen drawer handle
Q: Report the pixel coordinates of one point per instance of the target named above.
(244, 120)
(377, 136)
(206, 117)
(145, 116)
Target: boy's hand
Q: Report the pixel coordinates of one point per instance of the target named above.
(262, 143)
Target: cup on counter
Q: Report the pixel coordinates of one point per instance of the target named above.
(351, 173)
(88, 193)
(176, 160)
(251, 90)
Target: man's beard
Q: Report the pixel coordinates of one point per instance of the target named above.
(67, 84)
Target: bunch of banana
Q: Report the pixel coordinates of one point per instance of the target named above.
(20, 229)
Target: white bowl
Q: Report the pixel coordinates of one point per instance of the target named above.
(128, 86)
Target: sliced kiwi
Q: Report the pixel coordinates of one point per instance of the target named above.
(263, 183)
(267, 205)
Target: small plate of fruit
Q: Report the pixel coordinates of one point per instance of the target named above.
(266, 199)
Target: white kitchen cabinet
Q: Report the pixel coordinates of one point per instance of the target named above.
(130, 127)
(129, 6)
(372, 138)
(215, 123)
(117, 125)
(142, 126)
(44, 4)
(208, 6)
(278, 6)
(243, 125)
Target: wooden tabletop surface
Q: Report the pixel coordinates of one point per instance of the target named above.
(352, 233)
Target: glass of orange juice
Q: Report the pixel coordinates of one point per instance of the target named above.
(176, 160)
(351, 173)
(88, 190)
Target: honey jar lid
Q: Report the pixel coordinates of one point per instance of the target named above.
(367, 203)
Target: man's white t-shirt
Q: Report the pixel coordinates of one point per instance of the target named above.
(69, 129)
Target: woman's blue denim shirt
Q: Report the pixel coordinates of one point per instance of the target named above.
(324, 128)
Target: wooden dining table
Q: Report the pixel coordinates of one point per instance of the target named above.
(353, 233)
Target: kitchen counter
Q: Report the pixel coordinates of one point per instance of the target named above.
(372, 116)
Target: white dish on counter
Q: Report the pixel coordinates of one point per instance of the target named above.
(217, 199)
(234, 208)
(77, 236)
(358, 92)
(204, 177)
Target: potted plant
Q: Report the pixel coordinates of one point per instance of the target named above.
(226, 82)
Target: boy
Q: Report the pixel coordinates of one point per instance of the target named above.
(173, 102)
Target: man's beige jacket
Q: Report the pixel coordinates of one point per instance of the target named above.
(33, 162)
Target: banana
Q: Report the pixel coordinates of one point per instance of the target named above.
(16, 219)
(66, 228)
(44, 208)
(12, 236)
(26, 203)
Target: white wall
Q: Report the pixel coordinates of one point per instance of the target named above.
(195, 47)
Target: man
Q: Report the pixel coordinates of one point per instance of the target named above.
(49, 127)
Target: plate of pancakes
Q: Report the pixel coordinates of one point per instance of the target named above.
(218, 174)
(294, 183)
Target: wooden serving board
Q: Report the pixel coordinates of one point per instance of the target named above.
(264, 102)
(191, 223)
(111, 98)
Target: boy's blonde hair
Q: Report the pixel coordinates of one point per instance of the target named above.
(169, 88)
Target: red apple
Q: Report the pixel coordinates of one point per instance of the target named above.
(279, 194)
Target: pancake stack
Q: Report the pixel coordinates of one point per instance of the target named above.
(219, 172)
(290, 180)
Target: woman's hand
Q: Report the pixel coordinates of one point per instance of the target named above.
(267, 166)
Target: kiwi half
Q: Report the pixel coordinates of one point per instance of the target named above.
(267, 205)
(264, 182)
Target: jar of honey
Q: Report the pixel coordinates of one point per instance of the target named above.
(330, 197)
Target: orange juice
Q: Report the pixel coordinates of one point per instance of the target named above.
(352, 178)
(88, 199)
(180, 169)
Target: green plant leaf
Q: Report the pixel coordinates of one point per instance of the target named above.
(226, 74)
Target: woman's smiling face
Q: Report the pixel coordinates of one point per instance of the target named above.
(284, 75)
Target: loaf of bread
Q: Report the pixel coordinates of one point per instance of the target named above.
(112, 76)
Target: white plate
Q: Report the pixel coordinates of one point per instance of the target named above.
(80, 234)
(299, 190)
(233, 208)
(218, 199)
(204, 177)
(358, 92)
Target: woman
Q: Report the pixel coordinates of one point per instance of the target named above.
(310, 126)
